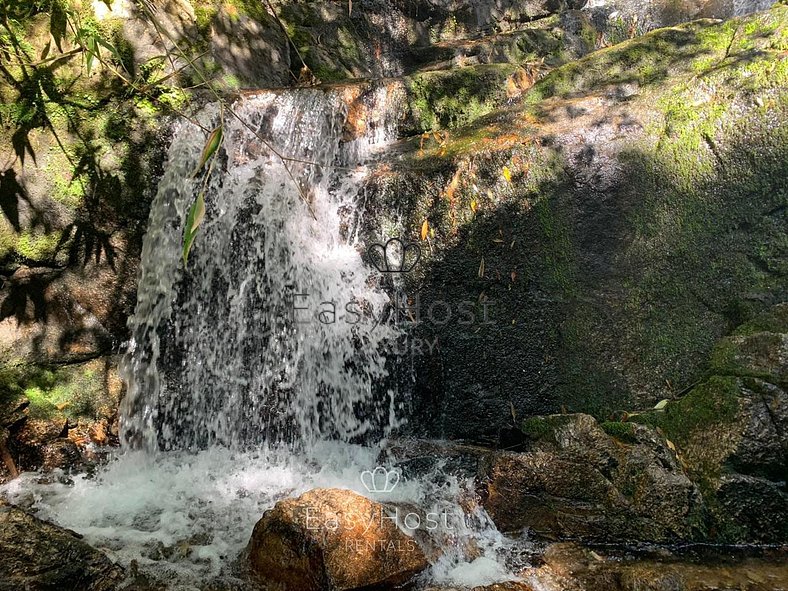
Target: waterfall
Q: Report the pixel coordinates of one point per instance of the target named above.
(269, 333)
(242, 378)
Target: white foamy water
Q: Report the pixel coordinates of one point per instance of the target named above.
(232, 404)
(185, 517)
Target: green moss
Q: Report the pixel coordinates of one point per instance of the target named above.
(536, 428)
(38, 247)
(456, 98)
(327, 74)
(559, 254)
(775, 320)
(8, 239)
(75, 392)
(204, 13)
(708, 405)
(680, 52)
(624, 432)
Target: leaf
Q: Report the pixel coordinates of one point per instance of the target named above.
(111, 48)
(425, 227)
(670, 445)
(661, 404)
(211, 145)
(474, 205)
(45, 51)
(507, 174)
(91, 52)
(481, 268)
(455, 181)
(193, 220)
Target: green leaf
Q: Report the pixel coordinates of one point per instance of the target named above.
(109, 47)
(91, 52)
(661, 404)
(213, 143)
(193, 220)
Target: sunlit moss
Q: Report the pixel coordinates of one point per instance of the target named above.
(38, 247)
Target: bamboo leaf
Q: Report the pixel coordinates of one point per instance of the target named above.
(425, 228)
(111, 48)
(211, 145)
(481, 269)
(193, 220)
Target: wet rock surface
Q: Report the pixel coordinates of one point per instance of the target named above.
(332, 539)
(575, 223)
(574, 480)
(572, 567)
(37, 555)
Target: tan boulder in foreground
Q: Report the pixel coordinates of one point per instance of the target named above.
(331, 539)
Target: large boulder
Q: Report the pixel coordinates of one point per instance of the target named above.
(38, 556)
(332, 539)
(576, 480)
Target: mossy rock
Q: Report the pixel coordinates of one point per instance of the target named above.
(758, 349)
(456, 98)
(629, 211)
(624, 432)
(85, 392)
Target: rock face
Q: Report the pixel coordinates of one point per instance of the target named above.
(570, 567)
(731, 431)
(605, 234)
(710, 466)
(331, 539)
(575, 480)
(37, 555)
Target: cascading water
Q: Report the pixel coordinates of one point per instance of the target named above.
(244, 385)
(244, 346)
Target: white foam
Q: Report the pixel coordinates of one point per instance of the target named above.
(186, 517)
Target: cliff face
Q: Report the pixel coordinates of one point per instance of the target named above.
(618, 218)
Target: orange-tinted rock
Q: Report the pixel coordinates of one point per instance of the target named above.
(332, 539)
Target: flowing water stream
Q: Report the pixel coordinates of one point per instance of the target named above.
(239, 391)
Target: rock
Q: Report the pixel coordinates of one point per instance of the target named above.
(37, 555)
(577, 481)
(569, 566)
(331, 539)
(757, 349)
(61, 453)
(751, 508)
(595, 300)
(731, 431)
